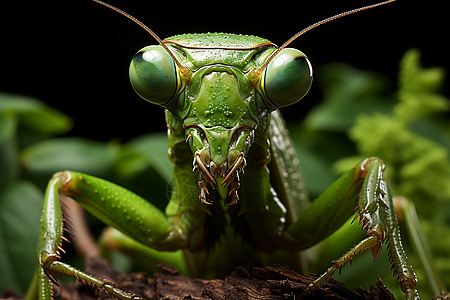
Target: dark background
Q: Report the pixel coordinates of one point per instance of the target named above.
(74, 55)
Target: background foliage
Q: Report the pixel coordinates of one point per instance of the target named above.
(359, 116)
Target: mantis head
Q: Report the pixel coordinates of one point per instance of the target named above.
(223, 103)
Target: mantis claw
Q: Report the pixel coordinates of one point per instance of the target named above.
(201, 165)
(202, 184)
(232, 178)
(203, 194)
(238, 166)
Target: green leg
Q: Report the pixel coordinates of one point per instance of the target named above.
(112, 239)
(33, 288)
(365, 189)
(113, 205)
(57, 267)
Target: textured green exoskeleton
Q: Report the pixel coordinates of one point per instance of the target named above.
(237, 186)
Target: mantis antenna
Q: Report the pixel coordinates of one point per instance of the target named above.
(259, 71)
(183, 70)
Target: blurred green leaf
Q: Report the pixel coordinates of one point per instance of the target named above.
(20, 210)
(418, 89)
(76, 154)
(8, 125)
(34, 115)
(348, 92)
(151, 150)
(8, 150)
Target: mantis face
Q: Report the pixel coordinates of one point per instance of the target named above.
(222, 99)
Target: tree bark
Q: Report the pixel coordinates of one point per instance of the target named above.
(272, 282)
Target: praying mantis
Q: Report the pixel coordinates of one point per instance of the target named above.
(235, 170)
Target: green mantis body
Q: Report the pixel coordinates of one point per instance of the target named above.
(237, 186)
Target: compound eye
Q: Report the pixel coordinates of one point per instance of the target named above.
(287, 78)
(154, 76)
